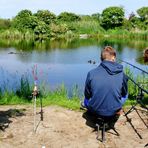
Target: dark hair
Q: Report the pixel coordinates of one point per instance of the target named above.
(108, 52)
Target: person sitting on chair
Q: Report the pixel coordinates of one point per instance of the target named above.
(106, 86)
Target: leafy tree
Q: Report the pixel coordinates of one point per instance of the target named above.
(42, 29)
(143, 13)
(58, 29)
(45, 16)
(24, 13)
(25, 20)
(112, 17)
(68, 17)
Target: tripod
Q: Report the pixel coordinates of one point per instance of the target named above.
(139, 99)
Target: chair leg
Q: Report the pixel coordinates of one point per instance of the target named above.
(103, 133)
(98, 131)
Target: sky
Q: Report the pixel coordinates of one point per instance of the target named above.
(10, 8)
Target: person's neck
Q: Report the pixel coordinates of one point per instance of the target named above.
(109, 60)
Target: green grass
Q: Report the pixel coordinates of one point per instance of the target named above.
(58, 97)
(16, 34)
(12, 99)
(72, 103)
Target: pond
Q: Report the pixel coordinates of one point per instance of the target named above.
(60, 61)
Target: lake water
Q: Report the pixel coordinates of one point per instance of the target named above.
(60, 61)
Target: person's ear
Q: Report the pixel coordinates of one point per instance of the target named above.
(113, 58)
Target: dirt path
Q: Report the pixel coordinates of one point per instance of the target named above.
(63, 128)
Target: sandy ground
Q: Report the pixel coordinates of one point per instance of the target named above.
(63, 128)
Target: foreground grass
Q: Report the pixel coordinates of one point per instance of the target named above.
(54, 99)
(73, 103)
(58, 97)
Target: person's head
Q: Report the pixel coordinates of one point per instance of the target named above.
(108, 53)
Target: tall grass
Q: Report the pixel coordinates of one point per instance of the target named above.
(16, 34)
(122, 33)
(23, 95)
(90, 27)
(133, 90)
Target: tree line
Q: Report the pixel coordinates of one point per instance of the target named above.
(45, 24)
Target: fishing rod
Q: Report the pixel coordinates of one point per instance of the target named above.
(133, 66)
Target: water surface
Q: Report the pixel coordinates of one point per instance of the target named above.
(61, 61)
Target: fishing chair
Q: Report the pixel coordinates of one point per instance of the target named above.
(104, 124)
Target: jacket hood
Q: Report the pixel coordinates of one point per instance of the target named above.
(112, 67)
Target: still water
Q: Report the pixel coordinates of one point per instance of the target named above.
(60, 61)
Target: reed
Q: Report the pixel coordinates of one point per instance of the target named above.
(16, 34)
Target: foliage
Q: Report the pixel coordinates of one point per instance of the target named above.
(45, 16)
(44, 24)
(14, 34)
(57, 30)
(25, 20)
(68, 17)
(24, 13)
(112, 17)
(5, 24)
(143, 13)
(96, 16)
(42, 29)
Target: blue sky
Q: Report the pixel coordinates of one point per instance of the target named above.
(9, 8)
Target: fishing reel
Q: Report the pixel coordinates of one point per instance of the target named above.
(35, 91)
(140, 96)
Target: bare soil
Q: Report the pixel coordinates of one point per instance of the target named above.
(64, 128)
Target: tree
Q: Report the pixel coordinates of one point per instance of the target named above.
(42, 29)
(58, 29)
(112, 17)
(68, 17)
(25, 20)
(143, 13)
(24, 13)
(45, 16)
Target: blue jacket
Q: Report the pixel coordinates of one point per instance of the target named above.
(104, 87)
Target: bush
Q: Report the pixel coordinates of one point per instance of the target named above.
(68, 17)
(45, 16)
